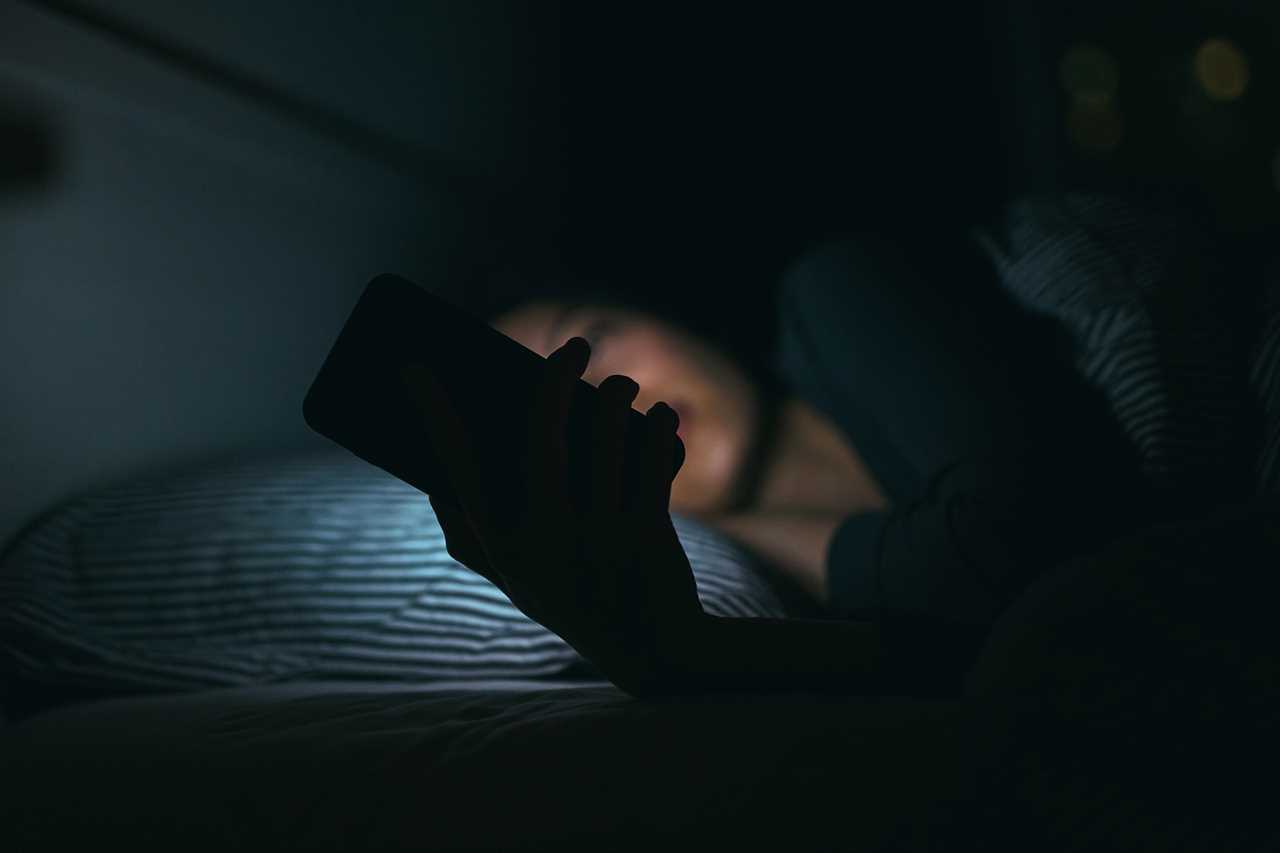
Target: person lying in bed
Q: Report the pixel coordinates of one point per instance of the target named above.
(925, 456)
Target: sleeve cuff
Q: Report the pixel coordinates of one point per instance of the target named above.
(853, 564)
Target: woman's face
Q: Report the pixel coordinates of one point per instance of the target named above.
(714, 398)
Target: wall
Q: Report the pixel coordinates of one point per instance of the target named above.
(178, 248)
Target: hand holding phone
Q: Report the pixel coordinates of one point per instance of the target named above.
(607, 574)
(358, 399)
(556, 491)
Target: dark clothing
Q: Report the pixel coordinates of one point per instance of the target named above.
(997, 460)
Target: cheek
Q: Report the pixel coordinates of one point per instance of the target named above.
(703, 484)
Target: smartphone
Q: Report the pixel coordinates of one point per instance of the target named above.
(359, 401)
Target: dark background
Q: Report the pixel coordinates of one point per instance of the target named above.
(192, 194)
(702, 146)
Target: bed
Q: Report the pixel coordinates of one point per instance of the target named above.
(283, 720)
(275, 650)
(493, 766)
(169, 681)
(278, 650)
(486, 765)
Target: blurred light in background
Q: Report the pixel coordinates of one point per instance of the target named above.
(1213, 125)
(1097, 129)
(1089, 75)
(1165, 95)
(1221, 70)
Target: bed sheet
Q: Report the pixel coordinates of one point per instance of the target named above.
(574, 766)
(479, 766)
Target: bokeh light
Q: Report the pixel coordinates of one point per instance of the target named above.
(1089, 75)
(1098, 129)
(1221, 70)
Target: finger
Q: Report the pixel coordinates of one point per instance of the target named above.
(608, 445)
(547, 453)
(659, 471)
(451, 445)
(461, 542)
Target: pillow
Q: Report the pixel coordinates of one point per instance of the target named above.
(1264, 376)
(1149, 300)
(303, 566)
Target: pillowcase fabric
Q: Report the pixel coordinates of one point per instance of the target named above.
(1154, 307)
(1264, 376)
(308, 566)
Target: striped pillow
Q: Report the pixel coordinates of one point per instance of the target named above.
(1264, 376)
(307, 566)
(1150, 305)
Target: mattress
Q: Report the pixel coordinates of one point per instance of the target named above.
(511, 765)
(490, 765)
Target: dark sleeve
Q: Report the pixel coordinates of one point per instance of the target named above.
(963, 550)
(996, 459)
